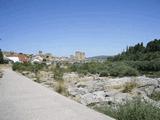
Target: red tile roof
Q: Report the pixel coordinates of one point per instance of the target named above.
(23, 58)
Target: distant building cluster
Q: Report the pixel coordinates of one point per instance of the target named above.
(79, 56)
(15, 57)
(41, 57)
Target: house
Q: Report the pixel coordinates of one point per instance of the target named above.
(36, 59)
(13, 59)
(23, 58)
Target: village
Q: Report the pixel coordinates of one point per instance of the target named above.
(40, 57)
(79, 60)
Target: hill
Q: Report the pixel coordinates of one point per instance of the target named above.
(139, 52)
(100, 57)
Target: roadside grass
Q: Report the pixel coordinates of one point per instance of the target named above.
(1, 74)
(132, 110)
(61, 88)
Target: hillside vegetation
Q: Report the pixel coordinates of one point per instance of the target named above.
(139, 52)
(136, 60)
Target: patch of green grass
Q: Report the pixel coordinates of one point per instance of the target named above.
(132, 110)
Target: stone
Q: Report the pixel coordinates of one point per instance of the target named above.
(31, 75)
(95, 97)
(25, 72)
(81, 84)
(74, 91)
(96, 90)
(157, 90)
(142, 80)
(121, 98)
(34, 79)
(149, 90)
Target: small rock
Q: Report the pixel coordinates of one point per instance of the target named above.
(95, 97)
(25, 72)
(77, 91)
(121, 98)
(81, 84)
(149, 90)
(157, 90)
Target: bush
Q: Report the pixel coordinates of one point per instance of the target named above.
(60, 87)
(155, 96)
(129, 86)
(58, 73)
(118, 69)
(121, 69)
(105, 69)
(132, 110)
(104, 73)
(27, 67)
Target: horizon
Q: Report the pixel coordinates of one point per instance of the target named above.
(62, 27)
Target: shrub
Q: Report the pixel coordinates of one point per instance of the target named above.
(104, 73)
(129, 86)
(121, 69)
(132, 110)
(105, 69)
(27, 67)
(153, 65)
(155, 96)
(60, 87)
(58, 76)
(1, 74)
(58, 73)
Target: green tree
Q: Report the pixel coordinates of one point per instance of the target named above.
(153, 46)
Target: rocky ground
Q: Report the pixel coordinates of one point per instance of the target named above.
(93, 90)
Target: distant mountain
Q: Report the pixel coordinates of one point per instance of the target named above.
(101, 57)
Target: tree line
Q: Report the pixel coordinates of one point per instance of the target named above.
(135, 60)
(139, 52)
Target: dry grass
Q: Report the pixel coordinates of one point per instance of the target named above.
(60, 87)
(117, 87)
(129, 86)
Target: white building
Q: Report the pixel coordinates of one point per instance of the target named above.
(37, 59)
(14, 59)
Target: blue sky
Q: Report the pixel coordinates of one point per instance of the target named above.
(97, 27)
